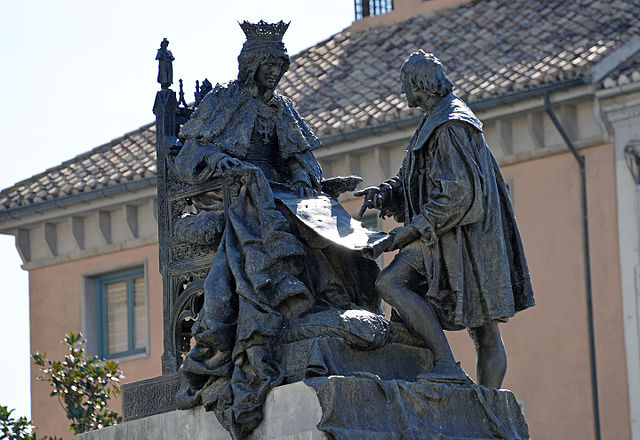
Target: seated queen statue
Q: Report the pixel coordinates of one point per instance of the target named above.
(289, 265)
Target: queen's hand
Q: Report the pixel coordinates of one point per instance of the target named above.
(304, 190)
(227, 163)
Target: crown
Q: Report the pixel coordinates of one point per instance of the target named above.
(264, 31)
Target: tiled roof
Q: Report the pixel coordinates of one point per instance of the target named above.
(351, 80)
(129, 158)
(488, 48)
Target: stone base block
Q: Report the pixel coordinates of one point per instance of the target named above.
(149, 397)
(307, 358)
(350, 408)
(291, 412)
(362, 408)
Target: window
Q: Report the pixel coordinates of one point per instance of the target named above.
(366, 8)
(122, 313)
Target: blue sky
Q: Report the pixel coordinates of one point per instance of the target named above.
(77, 74)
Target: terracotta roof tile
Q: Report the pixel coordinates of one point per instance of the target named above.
(522, 44)
(94, 169)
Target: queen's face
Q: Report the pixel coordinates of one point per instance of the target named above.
(268, 73)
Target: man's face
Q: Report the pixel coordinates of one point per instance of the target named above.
(269, 72)
(410, 92)
(416, 97)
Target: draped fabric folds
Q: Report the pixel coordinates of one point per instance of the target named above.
(271, 268)
(269, 271)
(451, 189)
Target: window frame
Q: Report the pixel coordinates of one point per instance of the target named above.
(128, 275)
(368, 8)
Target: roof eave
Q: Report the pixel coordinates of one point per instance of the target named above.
(111, 191)
(479, 105)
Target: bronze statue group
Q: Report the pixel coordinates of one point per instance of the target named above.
(460, 261)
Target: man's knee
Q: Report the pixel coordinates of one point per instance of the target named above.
(395, 279)
(385, 285)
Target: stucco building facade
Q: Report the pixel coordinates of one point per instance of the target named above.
(90, 224)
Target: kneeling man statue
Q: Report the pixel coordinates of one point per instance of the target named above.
(461, 262)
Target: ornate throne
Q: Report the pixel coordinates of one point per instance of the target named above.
(184, 212)
(185, 258)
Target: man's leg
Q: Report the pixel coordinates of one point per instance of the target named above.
(395, 285)
(491, 357)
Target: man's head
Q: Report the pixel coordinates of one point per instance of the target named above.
(423, 77)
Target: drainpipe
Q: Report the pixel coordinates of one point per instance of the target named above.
(587, 261)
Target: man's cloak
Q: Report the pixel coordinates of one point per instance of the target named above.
(451, 189)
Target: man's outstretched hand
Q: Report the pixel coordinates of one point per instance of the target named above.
(374, 197)
(402, 236)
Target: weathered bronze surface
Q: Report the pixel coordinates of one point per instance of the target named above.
(165, 59)
(288, 265)
(268, 280)
(461, 263)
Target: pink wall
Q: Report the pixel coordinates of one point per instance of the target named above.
(548, 346)
(56, 308)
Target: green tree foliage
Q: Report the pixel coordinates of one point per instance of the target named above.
(83, 385)
(17, 429)
(14, 429)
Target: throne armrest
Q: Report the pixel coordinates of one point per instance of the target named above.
(334, 186)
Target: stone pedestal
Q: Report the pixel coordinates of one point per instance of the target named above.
(362, 407)
(291, 412)
(368, 408)
(301, 359)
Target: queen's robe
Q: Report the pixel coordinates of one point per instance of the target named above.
(281, 258)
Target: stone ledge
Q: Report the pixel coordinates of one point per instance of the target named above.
(309, 357)
(291, 412)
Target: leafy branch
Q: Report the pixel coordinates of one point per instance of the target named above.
(17, 429)
(83, 385)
